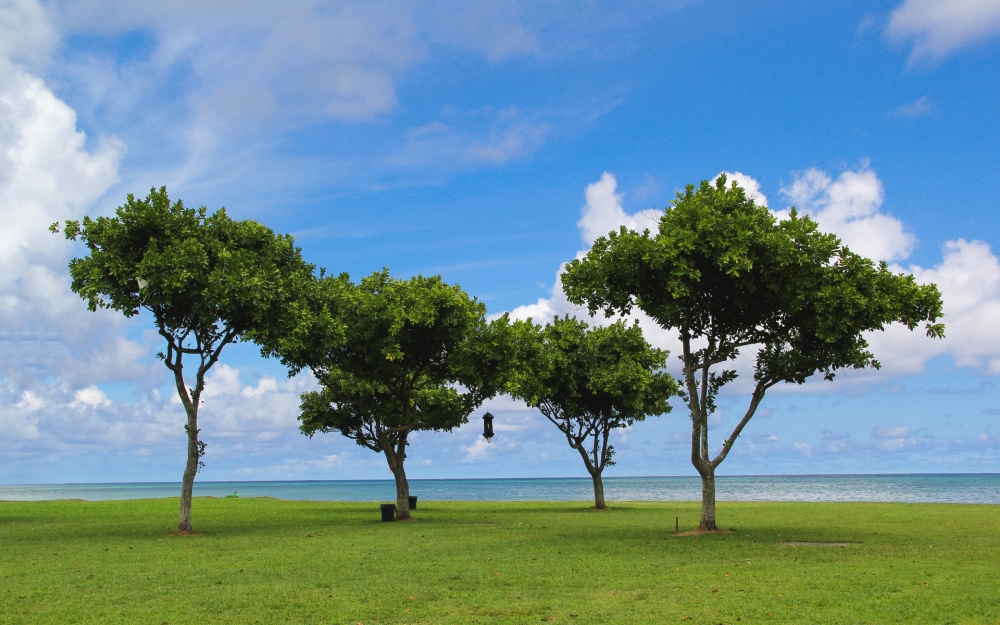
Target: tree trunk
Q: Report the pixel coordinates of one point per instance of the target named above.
(598, 490)
(594, 470)
(190, 470)
(402, 492)
(708, 500)
(396, 456)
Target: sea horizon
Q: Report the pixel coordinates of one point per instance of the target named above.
(497, 479)
(859, 487)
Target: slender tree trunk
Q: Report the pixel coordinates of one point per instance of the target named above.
(190, 469)
(708, 500)
(598, 490)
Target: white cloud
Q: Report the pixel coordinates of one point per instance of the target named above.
(91, 396)
(477, 450)
(54, 352)
(902, 431)
(495, 28)
(27, 36)
(969, 280)
(299, 59)
(850, 206)
(515, 141)
(937, 27)
(803, 449)
(480, 137)
(603, 211)
(920, 107)
(30, 402)
(222, 380)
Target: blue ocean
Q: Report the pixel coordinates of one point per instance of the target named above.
(913, 488)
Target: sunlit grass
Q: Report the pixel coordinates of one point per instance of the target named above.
(270, 561)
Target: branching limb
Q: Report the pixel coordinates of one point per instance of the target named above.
(755, 399)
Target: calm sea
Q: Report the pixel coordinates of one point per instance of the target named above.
(950, 488)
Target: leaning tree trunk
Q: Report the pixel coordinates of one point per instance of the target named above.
(190, 469)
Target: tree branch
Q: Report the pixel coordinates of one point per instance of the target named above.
(755, 399)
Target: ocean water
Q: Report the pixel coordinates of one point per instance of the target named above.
(915, 488)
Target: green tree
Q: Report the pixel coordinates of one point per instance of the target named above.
(590, 381)
(728, 276)
(414, 355)
(207, 280)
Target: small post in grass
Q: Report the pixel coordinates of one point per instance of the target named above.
(677, 525)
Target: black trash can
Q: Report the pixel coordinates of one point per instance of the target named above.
(413, 502)
(388, 512)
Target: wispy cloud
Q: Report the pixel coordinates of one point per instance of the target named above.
(921, 107)
(472, 139)
(938, 27)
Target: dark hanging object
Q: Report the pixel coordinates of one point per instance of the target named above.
(488, 427)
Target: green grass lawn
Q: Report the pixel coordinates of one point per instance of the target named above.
(271, 561)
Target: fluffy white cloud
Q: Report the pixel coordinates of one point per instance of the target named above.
(49, 175)
(603, 211)
(936, 27)
(54, 352)
(969, 280)
(749, 184)
(850, 206)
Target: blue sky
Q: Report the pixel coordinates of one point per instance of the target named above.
(490, 145)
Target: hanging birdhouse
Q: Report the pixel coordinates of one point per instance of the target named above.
(488, 427)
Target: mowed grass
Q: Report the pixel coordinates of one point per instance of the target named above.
(272, 561)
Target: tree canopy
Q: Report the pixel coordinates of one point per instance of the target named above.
(591, 381)
(207, 280)
(412, 355)
(727, 275)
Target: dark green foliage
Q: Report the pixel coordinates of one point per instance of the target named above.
(208, 281)
(727, 275)
(205, 277)
(590, 381)
(409, 355)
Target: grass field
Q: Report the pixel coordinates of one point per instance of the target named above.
(271, 561)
